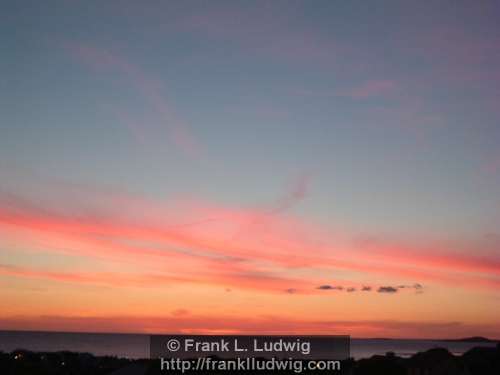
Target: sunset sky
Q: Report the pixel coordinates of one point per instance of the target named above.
(251, 167)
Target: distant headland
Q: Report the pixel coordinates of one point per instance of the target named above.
(472, 339)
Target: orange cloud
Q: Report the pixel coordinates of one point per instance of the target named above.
(267, 256)
(207, 324)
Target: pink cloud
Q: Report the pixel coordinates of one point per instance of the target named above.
(178, 131)
(187, 238)
(215, 276)
(491, 166)
(371, 88)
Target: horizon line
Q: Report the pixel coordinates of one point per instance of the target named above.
(235, 334)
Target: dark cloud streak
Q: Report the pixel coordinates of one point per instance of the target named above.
(387, 289)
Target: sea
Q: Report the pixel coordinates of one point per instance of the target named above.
(136, 346)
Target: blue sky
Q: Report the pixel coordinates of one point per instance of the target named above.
(268, 91)
(380, 118)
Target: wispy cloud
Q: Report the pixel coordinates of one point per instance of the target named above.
(182, 238)
(371, 88)
(329, 287)
(365, 288)
(178, 131)
(157, 280)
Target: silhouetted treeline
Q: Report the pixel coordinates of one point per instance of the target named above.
(477, 361)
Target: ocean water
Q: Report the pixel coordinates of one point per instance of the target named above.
(137, 345)
(365, 348)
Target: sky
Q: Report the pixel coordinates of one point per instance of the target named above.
(305, 167)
